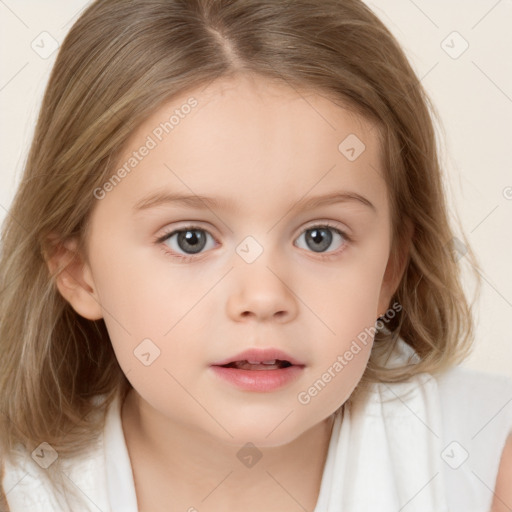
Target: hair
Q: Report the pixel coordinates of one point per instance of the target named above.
(123, 59)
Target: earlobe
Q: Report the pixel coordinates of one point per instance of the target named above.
(73, 278)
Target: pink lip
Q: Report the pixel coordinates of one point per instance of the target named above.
(258, 380)
(260, 354)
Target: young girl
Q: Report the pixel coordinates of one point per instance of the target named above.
(229, 280)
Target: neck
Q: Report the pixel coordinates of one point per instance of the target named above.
(170, 461)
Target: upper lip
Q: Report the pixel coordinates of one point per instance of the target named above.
(260, 354)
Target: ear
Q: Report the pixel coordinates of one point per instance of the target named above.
(397, 263)
(73, 278)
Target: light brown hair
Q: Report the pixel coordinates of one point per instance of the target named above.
(121, 60)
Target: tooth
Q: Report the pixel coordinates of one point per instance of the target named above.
(271, 361)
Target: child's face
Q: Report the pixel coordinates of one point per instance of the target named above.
(259, 279)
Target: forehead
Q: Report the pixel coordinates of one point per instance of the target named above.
(251, 136)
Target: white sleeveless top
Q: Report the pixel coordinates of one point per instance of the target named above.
(431, 444)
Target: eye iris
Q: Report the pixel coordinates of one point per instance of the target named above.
(194, 240)
(322, 236)
(191, 240)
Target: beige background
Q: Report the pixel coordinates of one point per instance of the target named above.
(462, 52)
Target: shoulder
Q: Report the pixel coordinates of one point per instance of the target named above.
(483, 399)
(462, 379)
(476, 404)
(477, 421)
(503, 491)
(27, 484)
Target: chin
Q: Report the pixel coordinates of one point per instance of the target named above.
(263, 434)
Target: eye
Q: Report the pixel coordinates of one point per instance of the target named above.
(190, 239)
(320, 237)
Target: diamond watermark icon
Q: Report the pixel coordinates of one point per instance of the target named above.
(146, 352)
(454, 45)
(45, 455)
(44, 45)
(351, 147)
(457, 248)
(249, 249)
(454, 455)
(249, 455)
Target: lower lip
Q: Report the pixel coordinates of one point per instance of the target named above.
(259, 380)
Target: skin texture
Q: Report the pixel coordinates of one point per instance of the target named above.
(265, 147)
(502, 501)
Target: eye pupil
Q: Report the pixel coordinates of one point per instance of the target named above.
(191, 240)
(320, 236)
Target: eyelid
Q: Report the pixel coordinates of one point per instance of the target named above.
(198, 225)
(344, 230)
(184, 258)
(193, 225)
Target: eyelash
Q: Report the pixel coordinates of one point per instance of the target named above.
(185, 259)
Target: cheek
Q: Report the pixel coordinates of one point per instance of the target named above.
(143, 292)
(149, 308)
(347, 309)
(346, 299)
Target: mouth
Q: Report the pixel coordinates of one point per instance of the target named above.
(273, 364)
(260, 359)
(259, 369)
(258, 376)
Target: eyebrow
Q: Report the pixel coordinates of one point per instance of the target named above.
(201, 202)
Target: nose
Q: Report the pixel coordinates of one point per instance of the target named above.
(261, 293)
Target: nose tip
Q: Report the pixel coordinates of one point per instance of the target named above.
(261, 295)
